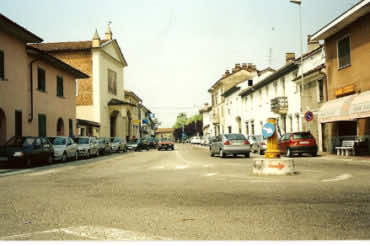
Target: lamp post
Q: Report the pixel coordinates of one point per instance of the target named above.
(299, 2)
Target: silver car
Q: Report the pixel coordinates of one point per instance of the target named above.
(87, 146)
(64, 148)
(118, 144)
(230, 144)
(104, 146)
(259, 145)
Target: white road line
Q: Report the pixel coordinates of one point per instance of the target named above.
(181, 167)
(210, 174)
(338, 178)
(94, 233)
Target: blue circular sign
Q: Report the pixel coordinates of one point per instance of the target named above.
(268, 130)
(308, 116)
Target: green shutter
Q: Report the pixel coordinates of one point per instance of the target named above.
(60, 92)
(41, 79)
(42, 125)
(1, 64)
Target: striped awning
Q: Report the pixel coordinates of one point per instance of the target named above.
(347, 108)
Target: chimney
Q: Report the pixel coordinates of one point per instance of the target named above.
(108, 33)
(96, 39)
(244, 66)
(289, 57)
(312, 45)
(237, 67)
(254, 67)
(227, 73)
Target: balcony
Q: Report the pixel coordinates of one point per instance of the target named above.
(279, 105)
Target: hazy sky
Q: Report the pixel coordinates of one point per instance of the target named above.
(176, 49)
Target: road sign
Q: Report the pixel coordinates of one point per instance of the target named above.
(268, 130)
(308, 116)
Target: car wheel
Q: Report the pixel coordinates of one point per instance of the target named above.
(247, 155)
(97, 153)
(88, 154)
(314, 154)
(50, 159)
(222, 155)
(234, 155)
(64, 157)
(289, 153)
(212, 155)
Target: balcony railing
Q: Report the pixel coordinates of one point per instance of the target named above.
(279, 105)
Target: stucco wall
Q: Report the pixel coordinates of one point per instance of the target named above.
(14, 93)
(358, 73)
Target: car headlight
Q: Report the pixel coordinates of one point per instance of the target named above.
(18, 154)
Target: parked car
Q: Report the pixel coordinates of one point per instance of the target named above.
(152, 142)
(27, 150)
(230, 144)
(142, 144)
(104, 146)
(195, 140)
(166, 144)
(259, 144)
(64, 148)
(87, 146)
(118, 144)
(298, 143)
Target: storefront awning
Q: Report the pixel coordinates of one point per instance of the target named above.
(347, 108)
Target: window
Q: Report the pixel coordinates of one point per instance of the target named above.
(2, 76)
(247, 127)
(60, 92)
(283, 85)
(252, 127)
(321, 90)
(42, 125)
(229, 129)
(344, 52)
(275, 88)
(112, 82)
(18, 123)
(41, 79)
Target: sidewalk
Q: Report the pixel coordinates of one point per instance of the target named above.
(330, 156)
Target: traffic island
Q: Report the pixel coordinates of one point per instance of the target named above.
(276, 166)
(272, 164)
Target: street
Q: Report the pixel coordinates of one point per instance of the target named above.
(185, 195)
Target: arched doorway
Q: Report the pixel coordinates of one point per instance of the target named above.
(239, 124)
(60, 127)
(129, 125)
(2, 127)
(113, 123)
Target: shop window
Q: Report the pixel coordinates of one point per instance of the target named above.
(41, 79)
(344, 52)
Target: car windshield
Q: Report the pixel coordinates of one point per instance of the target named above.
(19, 142)
(115, 140)
(302, 135)
(235, 137)
(59, 141)
(83, 140)
(132, 141)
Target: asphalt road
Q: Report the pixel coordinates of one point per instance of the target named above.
(184, 195)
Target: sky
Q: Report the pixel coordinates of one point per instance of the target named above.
(177, 49)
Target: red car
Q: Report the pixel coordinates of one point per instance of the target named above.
(298, 143)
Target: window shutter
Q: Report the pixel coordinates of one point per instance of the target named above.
(60, 91)
(41, 79)
(1, 64)
(42, 125)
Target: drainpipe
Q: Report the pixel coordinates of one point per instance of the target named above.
(30, 117)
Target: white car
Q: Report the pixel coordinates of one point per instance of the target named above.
(195, 140)
(87, 146)
(64, 148)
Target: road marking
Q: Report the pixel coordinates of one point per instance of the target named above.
(43, 172)
(210, 174)
(338, 178)
(94, 233)
(181, 167)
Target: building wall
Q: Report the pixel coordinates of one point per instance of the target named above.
(81, 60)
(14, 91)
(358, 73)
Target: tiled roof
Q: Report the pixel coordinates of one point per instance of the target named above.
(65, 46)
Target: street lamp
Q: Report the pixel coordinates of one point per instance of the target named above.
(299, 2)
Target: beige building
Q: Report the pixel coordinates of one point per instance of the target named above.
(100, 99)
(346, 115)
(228, 80)
(37, 91)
